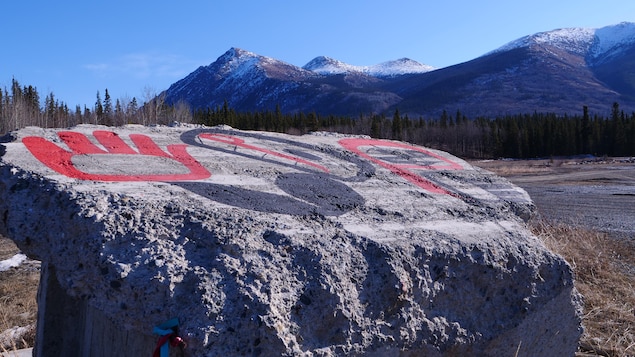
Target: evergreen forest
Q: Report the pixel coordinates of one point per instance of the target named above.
(531, 135)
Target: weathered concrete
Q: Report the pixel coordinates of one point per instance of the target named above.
(268, 244)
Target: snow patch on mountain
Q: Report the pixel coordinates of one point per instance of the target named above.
(576, 40)
(398, 67)
(588, 42)
(238, 62)
(329, 66)
(611, 39)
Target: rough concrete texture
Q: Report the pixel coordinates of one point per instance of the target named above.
(266, 244)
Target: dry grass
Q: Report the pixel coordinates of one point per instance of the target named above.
(18, 305)
(605, 275)
(510, 168)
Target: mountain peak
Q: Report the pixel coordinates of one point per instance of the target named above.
(398, 67)
(235, 53)
(235, 59)
(588, 42)
(609, 39)
(576, 40)
(329, 66)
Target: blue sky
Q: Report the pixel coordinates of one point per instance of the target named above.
(136, 48)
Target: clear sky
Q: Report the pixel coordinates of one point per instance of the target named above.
(134, 48)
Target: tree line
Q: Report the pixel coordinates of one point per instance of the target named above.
(532, 135)
(536, 135)
(20, 106)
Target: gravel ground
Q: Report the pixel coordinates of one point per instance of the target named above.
(597, 194)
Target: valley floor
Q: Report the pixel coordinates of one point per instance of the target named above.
(597, 194)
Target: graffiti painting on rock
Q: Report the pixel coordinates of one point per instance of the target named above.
(310, 178)
(270, 244)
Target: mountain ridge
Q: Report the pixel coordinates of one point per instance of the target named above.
(589, 42)
(328, 66)
(554, 71)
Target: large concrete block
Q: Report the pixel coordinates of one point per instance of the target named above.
(266, 244)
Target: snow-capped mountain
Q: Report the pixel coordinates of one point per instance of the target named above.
(557, 71)
(611, 41)
(249, 81)
(329, 66)
(575, 40)
(238, 63)
(593, 44)
(240, 77)
(397, 67)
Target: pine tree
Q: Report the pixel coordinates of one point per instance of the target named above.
(444, 119)
(50, 110)
(618, 131)
(375, 127)
(118, 118)
(585, 131)
(397, 129)
(107, 106)
(312, 121)
(99, 110)
(133, 107)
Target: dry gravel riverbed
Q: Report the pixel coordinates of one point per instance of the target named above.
(593, 193)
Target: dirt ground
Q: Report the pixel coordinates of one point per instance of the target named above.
(593, 193)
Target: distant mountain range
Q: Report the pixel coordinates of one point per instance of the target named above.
(558, 71)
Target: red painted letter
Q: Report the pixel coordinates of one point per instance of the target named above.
(403, 170)
(60, 160)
